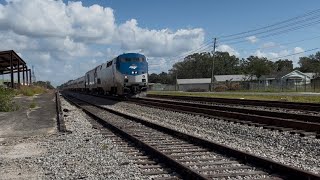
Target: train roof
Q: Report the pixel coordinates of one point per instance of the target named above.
(131, 55)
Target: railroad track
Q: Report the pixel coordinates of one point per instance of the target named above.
(189, 156)
(279, 104)
(60, 120)
(302, 124)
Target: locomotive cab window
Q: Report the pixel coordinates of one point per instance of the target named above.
(141, 59)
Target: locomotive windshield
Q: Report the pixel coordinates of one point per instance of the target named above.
(140, 59)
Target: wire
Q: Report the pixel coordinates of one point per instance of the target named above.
(278, 28)
(272, 25)
(204, 45)
(280, 32)
(294, 54)
(282, 44)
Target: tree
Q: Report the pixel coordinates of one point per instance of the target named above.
(198, 65)
(310, 64)
(153, 78)
(256, 66)
(283, 65)
(226, 64)
(45, 84)
(163, 78)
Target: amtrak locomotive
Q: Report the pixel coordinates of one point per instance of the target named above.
(126, 74)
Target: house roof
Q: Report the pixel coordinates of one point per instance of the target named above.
(218, 78)
(296, 73)
(5, 59)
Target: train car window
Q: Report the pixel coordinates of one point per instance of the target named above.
(109, 63)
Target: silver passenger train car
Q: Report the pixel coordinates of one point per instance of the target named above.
(126, 74)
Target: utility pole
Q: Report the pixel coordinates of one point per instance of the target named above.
(33, 75)
(212, 68)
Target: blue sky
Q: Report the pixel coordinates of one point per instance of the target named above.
(63, 39)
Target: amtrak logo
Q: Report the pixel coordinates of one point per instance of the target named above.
(133, 66)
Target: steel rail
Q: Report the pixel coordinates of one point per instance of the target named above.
(265, 118)
(60, 120)
(183, 170)
(300, 117)
(272, 166)
(280, 104)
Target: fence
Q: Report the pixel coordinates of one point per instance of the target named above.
(313, 86)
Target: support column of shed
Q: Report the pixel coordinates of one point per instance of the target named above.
(19, 73)
(23, 71)
(11, 69)
(27, 76)
(30, 76)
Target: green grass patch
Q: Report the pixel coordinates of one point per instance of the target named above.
(240, 95)
(33, 104)
(104, 147)
(6, 100)
(31, 90)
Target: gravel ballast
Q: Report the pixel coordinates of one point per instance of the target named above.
(82, 154)
(283, 147)
(85, 153)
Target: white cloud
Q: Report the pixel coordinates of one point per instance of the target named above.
(35, 18)
(298, 50)
(272, 54)
(268, 45)
(227, 48)
(283, 54)
(158, 43)
(259, 53)
(252, 39)
(49, 33)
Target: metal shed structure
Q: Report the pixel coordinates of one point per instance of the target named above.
(10, 63)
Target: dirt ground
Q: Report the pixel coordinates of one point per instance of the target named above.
(19, 133)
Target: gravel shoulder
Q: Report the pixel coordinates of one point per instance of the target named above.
(82, 154)
(292, 150)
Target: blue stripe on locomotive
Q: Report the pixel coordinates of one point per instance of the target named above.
(124, 67)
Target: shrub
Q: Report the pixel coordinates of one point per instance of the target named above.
(31, 90)
(234, 86)
(196, 90)
(6, 100)
(220, 87)
(33, 105)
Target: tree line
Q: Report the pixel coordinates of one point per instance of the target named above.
(199, 65)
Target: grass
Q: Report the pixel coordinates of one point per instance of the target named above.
(241, 95)
(6, 100)
(7, 94)
(33, 105)
(104, 147)
(31, 90)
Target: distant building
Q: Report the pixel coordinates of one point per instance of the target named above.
(204, 83)
(293, 78)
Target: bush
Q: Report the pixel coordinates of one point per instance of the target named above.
(234, 86)
(6, 100)
(196, 90)
(220, 87)
(31, 90)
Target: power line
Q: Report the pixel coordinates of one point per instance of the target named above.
(292, 25)
(282, 44)
(204, 45)
(280, 32)
(272, 25)
(294, 54)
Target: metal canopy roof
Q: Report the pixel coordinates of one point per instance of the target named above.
(5, 58)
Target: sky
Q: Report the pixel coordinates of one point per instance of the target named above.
(64, 39)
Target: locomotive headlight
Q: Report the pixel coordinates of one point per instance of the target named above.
(126, 77)
(143, 76)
